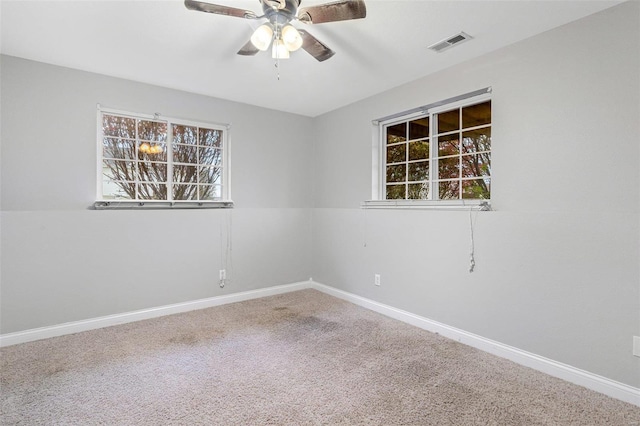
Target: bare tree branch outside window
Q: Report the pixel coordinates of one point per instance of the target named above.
(136, 161)
(457, 157)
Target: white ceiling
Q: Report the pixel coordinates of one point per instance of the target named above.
(163, 43)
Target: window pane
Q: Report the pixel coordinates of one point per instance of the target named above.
(419, 128)
(209, 192)
(212, 156)
(210, 137)
(450, 149)
(419, 171)
(396, 153)
(152, 191)
(478, 189)
(396, 173)
(448, 145)
(210, 175)
(136, 165)
(185, 154)
(476, 115)
(449, 190)
(476, 165)
(397, 133)
(449, 121)
(119, 170)
(152, 131)
(477, 140)
(188, 174)
(152, 172)
(185, 192)
(118, 190)
(123, 127)
(449, 168)
(419, 150)
(418, 191)
(118, 148)
(185, 134)
(395, 192)
(152, 152)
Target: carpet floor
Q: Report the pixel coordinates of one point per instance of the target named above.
(301, 358)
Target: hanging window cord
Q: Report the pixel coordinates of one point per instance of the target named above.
(226, 249)
(222, 253)
(364, 233)
(472, 219)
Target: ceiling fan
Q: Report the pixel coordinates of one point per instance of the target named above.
(278, 31)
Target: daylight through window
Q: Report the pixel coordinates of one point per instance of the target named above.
(150, 159)
(444, 154)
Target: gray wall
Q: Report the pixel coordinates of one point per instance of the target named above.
(558, 261)
(63, 262)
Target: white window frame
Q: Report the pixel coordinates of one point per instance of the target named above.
(378, 170)
(225, 201)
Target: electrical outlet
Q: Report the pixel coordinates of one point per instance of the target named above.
(376, 279)
(636, 346)
(223, 274)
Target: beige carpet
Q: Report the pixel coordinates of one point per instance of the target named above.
(302, 358)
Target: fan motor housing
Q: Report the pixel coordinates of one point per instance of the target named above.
(277, 13)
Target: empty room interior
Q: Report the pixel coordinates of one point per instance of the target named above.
(284, 212)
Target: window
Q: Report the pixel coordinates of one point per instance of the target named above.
(437, 153)
(145, 160)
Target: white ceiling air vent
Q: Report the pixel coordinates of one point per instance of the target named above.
(449, 42)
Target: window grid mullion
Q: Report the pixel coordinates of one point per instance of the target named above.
(433, 148)
(169, 161)
(406, 160)
(460, 154)
(136, 161)
(199, 144)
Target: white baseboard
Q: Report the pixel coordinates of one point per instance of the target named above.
(106, 321)
(553, 368)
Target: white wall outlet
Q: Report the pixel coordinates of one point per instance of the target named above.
(223, 274)
(636, 346)
(376, 279)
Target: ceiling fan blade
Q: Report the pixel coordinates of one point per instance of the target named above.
(219, 10)
(248, 49)
(331, 12)
(315, 47)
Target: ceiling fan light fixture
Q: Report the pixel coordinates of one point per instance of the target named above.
(280, 14)
(262, 36)
(291, 38)
(279, 50)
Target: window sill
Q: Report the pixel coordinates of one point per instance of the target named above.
(155, 204)
(481, 205)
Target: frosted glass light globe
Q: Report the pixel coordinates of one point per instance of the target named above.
(262, 36)
(291, 38)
